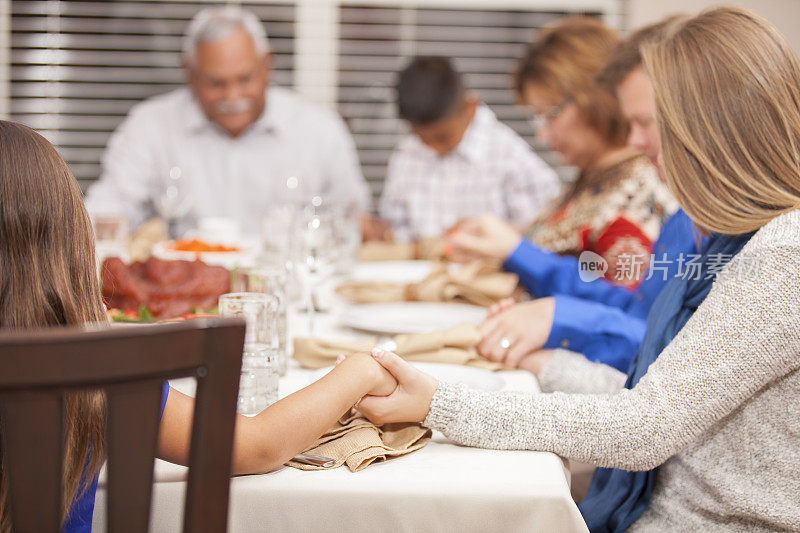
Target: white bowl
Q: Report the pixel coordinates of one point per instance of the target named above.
(244, 256)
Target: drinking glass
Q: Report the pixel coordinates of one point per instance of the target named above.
(172, 197)
(270, 279)
(111, 237)
(317, 257)
(258, 384)
(346, 221)
(277, 227)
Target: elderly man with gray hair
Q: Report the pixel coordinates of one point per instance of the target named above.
(236, 144)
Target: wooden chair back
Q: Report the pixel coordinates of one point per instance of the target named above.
(130, 364)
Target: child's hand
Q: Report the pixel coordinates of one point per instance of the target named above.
(410, 401)
(382, 382)
(385, 385)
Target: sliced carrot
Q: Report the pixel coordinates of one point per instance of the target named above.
(196, 245)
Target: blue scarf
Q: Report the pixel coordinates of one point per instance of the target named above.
(616, 498)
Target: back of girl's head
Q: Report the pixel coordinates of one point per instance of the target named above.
(48, 278)
(727, 90)
(47, 271)
(564, 61)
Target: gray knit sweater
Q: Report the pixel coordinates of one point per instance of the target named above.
(718, 411)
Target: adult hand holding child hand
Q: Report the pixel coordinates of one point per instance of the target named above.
(410, 401)
(382, 382)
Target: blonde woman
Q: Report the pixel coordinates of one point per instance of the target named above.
(703, 433)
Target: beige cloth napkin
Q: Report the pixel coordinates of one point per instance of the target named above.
(477, 283)
(357, 442)
(454, 346)
(373, 292)
(386, 251)
(429, 248)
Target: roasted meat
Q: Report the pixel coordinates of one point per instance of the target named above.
(166, 288)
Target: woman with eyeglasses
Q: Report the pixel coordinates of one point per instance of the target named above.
(703, 431)
(617, 204)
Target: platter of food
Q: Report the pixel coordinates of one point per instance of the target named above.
(157, 289)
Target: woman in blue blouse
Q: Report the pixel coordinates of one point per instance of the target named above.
(603, 321)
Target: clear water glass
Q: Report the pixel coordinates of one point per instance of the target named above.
(172, 197)
(111, 237)
(317, 259)
(344, 217)
(258, 384)
(280, 242)
(270, 279)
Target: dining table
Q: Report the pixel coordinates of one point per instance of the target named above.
(441, 487)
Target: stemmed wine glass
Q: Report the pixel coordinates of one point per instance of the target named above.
(172, 197)
(317, 256)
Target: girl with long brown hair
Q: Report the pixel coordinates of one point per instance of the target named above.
(703, 432)
(48, 278)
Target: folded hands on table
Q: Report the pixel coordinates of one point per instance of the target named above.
(515, 333)
(512, 333)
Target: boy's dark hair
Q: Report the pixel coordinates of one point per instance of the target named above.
(428, 89)
(627, 57)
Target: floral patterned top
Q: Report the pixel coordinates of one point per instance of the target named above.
(617, 215)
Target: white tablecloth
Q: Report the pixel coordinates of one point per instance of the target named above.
(443, 487)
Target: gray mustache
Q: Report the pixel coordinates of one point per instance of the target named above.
(239, 106)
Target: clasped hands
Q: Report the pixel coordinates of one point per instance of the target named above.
(401, 392)
(513, 334)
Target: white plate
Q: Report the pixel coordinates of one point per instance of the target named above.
(393, 271)
(475, 378)
(410, 317)
(245, 255)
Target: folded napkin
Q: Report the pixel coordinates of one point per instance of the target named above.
(478, 283)
(357, 442)
(428, 248)
(454, 346)
(386, 251)
(372, 292)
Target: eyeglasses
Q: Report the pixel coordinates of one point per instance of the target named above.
(540, 120)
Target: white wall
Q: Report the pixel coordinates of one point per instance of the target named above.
(785, 14)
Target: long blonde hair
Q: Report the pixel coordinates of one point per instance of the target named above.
(48, 278)
(727, 91)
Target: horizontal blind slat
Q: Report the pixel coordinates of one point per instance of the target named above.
(78, 67)
(485, 45)
(152, 10)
